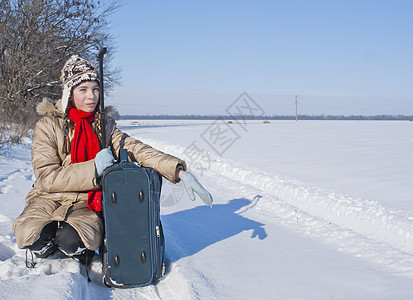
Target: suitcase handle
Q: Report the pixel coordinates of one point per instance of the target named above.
(123, 155)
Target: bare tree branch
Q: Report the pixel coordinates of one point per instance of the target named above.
(36, 38)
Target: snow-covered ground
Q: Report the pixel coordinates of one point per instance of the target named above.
(307, 210)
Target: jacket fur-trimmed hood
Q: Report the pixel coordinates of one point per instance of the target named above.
(47, 108)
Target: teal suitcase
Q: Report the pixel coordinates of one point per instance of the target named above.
(134, 246)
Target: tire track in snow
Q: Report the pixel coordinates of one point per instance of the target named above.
(362, 216)
(274, 210)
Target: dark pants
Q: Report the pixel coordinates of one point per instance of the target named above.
(61, 236)
(68, 240)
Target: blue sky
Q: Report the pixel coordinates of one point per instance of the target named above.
(197, 57)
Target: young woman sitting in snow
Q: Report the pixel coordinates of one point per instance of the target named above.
(62, 210)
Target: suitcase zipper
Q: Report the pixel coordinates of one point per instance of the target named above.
(158, 232)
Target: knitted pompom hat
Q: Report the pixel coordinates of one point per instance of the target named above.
(75, 71)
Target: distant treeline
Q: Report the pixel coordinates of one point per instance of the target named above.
(246, 117)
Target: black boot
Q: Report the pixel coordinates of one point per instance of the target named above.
(70, 243)
(44, 245)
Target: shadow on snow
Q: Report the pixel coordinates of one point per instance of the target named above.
(190, 231)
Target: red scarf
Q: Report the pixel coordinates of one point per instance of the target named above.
(85, 146)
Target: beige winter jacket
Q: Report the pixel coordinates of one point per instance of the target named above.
(61, 188)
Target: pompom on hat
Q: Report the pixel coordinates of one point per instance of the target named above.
(75, 71)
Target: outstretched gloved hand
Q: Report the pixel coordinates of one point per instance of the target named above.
(192, 185)
(103, 159)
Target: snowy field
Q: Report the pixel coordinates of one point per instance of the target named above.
(307, 210)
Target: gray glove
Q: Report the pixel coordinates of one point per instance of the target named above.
(192, 185)
(103, 159)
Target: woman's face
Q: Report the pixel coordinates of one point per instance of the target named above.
(85, 96)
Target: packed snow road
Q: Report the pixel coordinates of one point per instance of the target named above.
(266, 236)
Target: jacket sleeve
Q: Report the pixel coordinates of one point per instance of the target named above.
(55, 173)
(147, 156)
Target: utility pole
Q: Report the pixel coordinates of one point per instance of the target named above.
(296, 108)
